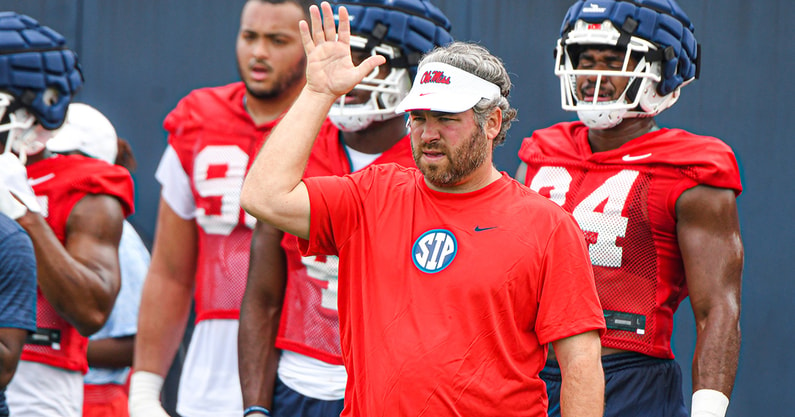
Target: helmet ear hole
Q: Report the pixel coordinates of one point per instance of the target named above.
(633, 88)
(50, 96)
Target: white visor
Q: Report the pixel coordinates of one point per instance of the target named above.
(445, 88)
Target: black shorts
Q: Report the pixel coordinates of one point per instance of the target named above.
(289, 403)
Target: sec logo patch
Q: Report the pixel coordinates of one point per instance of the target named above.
(434, 250)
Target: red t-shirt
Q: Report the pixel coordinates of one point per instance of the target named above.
(447, 301)
(625, 202)
(309, 321)
(60, 182)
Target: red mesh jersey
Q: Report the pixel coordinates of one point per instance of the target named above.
(624, 201)
(59, 183)
(310, 322)
(216, 142)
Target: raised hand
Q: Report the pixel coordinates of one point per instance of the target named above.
(329, 68)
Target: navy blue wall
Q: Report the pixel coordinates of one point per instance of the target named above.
(141, 56)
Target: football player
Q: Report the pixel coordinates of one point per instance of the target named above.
(75, 211)
(203, 237)
(657, 205)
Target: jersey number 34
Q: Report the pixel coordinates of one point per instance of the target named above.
(601, 212)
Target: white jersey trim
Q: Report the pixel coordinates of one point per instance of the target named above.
(175, 184)
(42, 390)
(210, 385)
(311, 377)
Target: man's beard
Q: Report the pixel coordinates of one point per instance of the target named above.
(284, 82)
(461, 162)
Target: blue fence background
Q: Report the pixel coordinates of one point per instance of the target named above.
(140, 57)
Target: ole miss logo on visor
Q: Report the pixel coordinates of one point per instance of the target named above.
(436, 77)
(434, 250)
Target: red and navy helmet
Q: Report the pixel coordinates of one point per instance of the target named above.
(657, 32)
(414, 27)
(401, 31)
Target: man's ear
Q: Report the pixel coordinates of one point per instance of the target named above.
(493, 124)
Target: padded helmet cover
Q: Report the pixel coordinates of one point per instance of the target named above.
(34, 60)
(661, 22)
(412, 26)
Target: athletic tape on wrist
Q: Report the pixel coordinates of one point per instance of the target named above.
(709, 403)
(145, 395)
(149, 382)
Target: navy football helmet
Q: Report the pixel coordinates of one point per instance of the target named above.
(400, 30)
(38, 77)
(656, 32)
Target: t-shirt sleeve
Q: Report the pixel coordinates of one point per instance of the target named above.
(18, 282)
(568, 303)
(335, 213)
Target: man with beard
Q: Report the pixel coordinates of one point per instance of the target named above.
(453, 277)
(297, 370)
(201, 247)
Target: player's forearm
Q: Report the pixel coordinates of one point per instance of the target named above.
(11, 342)
(162, 318)
(112, 352)
(280, 164)
(257, 356)
(717, 349)
(708, 233)
(63, 279)
(260, 315)
(8, 366)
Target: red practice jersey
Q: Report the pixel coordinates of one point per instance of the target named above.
(309, 322)
(447, 301)
(625, 203)
(216, 141)
(59, 183)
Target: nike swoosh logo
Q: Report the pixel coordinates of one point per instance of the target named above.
(480, 229)
(36, 181)
(425, 94)
(630, 158)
